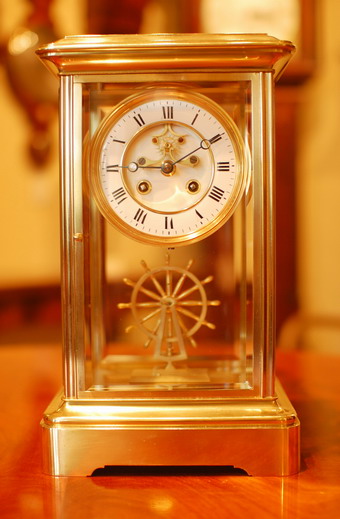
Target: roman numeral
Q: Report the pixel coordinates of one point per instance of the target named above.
(112, 168)
(168, 112)
(140, 216)
(139, 119)
(118, 194)
(216, 193)
(198, 214)
(168, 223)
(223, 166)
(194, 119)
(216, 138)
(117, 140)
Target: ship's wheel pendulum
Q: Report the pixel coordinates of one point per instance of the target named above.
(169, 305)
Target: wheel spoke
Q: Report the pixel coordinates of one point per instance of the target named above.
(187, 292)
(153, 332)
(208, 279)
(182, 279)
(168, 282)
(149, 316)
(146, 304)
(197, 303)
(196, 318)
(186, 331)
(155, 281)
(145, 291)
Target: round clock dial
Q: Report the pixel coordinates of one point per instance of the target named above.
(168, 167)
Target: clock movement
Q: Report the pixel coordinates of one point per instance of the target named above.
(167, 237)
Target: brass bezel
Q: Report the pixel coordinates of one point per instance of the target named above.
(169, 91)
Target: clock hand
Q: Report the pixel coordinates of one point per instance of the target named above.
(187, 155)
(204, 145)
(145, 162)
(168, 165)
(133, 166)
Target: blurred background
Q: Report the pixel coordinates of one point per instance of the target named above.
(308, 158)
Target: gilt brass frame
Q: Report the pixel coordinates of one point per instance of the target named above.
(254, 429)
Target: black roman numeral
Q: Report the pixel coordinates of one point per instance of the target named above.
(216, 193)
(198, 214)
(140, 216)
(168, 112)
(139, 119)
(216, 138)
(112, 168)
(168, 223)
(223, 166)
(117, 140)
(118, 195)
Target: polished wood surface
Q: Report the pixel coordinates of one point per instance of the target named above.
(29, 378)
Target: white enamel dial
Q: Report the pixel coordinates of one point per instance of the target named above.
(168, 167)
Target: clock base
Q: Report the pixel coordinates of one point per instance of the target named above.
(260, 436)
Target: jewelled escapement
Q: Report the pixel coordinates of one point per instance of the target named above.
(168, 141)
(169, 305)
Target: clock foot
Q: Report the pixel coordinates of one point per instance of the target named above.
(259, 436)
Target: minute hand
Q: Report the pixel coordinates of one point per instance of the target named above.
(204, 145)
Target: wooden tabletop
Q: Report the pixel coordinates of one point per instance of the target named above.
(31, 375)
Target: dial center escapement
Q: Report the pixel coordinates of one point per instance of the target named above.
(168, 168)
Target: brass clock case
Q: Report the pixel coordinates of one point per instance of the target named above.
(169, 356)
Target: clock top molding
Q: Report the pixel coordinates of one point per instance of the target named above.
(95, 54)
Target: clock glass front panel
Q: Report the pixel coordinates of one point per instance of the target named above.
(162, 312)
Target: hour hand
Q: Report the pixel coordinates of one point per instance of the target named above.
(134, 166)
(144, 162)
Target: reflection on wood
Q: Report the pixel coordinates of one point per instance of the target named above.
(312, 383)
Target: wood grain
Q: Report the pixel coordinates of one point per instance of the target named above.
(30, 375)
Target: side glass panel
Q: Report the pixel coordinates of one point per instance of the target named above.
(162, 318)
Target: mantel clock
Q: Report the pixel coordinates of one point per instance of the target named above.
(167, 237)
